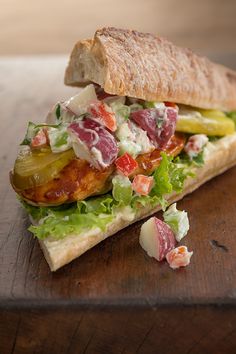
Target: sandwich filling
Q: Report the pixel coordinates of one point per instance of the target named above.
(100, 156)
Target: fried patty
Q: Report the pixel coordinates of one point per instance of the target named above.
(79, 180)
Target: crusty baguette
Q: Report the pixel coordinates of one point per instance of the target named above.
(129, 63)
(219, 156)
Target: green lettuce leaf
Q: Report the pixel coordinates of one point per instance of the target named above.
(169, 177)
(213, 138)
(121, 111)
(162, 177)
(59, 227)
(122, 190)
(60, 221)
(197, 160)
(140, 201)
(98, 212)
(36, 213)
(177, 176)
(59, 138)
(96, 205)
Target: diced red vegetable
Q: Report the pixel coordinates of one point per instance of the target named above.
(156, 238)
(40, 140)
(126, 164)
(102, 113)
(92, 142)
(179, 257)
(159, 123)
(142, 184)
(171, 104)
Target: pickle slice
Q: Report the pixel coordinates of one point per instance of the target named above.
(209, 122)
(37, 167)
(212, 113)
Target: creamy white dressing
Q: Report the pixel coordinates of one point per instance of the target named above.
(195, 144)
(126, 213)
(54, 135)
(97, 156)
(81, 150)
(122, 180)
(133, 139)
(160, 105)
(177, 220)
(65, 115)
(129, 146)
(125, 133)
(79, 103)
(142, 139)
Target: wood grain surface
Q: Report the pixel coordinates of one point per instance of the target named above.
(114, 298)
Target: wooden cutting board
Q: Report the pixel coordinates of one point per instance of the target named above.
(114, 298)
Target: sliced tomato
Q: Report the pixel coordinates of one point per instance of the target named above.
(142, 184)
(126, 164)
(102, 113)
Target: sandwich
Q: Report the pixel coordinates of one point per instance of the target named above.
(151, 122)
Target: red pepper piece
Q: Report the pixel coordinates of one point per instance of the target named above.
(126, 164)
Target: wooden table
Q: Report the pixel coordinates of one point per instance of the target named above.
(113, 299)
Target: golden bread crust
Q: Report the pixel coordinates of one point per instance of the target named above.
(141, 65)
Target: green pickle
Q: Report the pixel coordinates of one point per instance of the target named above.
(36, 167)
(211, 122)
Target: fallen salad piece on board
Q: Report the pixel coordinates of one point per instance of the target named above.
(159, 238)
(179, 257)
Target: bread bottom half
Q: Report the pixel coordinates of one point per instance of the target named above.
(219, 156)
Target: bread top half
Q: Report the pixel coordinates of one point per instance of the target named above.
(144, 66)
